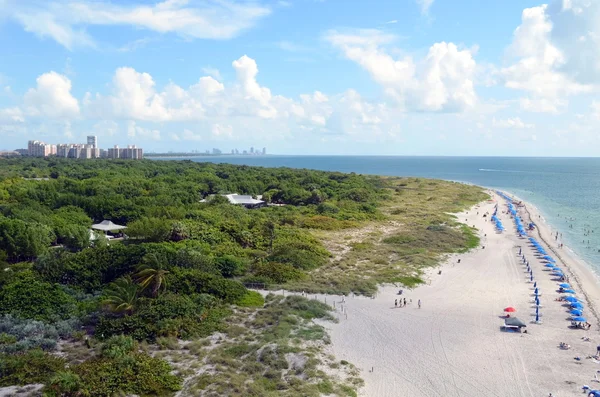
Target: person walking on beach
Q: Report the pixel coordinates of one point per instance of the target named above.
(396, 303)
(419, 303)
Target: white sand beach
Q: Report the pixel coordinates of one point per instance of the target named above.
(454, 345)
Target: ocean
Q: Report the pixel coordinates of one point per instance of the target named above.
(565, 190)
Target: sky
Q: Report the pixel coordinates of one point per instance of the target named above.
(382, 77)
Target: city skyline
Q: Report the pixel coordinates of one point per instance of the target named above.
(89, 150)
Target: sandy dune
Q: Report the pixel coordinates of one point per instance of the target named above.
(454, 345)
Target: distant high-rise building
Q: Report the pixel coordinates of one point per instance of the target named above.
(232, 151)
(216, 151)
(92, 140)
(252, 150)
(40, 149)
(264, 151)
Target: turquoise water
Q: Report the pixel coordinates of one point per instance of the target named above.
(560, 187)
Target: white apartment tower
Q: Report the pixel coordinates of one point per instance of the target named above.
(92, 140)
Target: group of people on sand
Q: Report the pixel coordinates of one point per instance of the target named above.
(403, 303)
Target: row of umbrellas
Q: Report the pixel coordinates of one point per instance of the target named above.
(576, 307)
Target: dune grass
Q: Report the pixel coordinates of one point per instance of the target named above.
(273, 351)
(419, 229)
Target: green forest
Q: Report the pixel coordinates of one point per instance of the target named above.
(182, 272)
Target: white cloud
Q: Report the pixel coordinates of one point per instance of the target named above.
(442, 81)
(425, 6)
(136, 131)
(212, 72)
(11, 115)
(551, 62)
(222, 131)
(65, 22)
(136, 109)
(515, 123)
(247, 70)
(51, 98)
(105, 128)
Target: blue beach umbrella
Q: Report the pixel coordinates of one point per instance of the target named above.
(579, 319)
(564, 285)
(531, 277)
(571, 299)
(576, 312)
(576, 305)
(568, 291)
(549, 265)
(535, 285)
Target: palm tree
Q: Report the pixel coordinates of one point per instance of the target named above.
(151, 273)
(65, 383)
(121, 295)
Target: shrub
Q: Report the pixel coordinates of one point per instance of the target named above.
(34, 366)
(190, 281)
(140, 374)
(118, 346)
(230, 266)
(178, 316)
(64, 384)
(251, 299)
(28, 297)
(21, 334)
(278, 273)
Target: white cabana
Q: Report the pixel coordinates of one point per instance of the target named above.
(108, 226)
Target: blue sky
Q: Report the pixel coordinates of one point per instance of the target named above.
(406, 77)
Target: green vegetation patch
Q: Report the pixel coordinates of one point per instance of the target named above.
(251, 299)
(278, 353)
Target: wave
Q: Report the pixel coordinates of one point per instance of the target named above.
(493, 170)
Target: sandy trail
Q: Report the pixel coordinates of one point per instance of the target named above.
(454, 345)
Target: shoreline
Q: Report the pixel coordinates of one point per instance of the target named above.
(586, 279)
(455, 344)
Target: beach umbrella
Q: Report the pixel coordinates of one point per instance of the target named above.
(568, 291)
(564, 285)
(576, 305)
(535, 285)
(531, 277)
(579, 319)
(549, 265)
(571, 299)
(576, 312)
(537, 301)
(537, 316)
(510, 309)
(536, 290)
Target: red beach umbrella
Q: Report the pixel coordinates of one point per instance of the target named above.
(510, 309)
